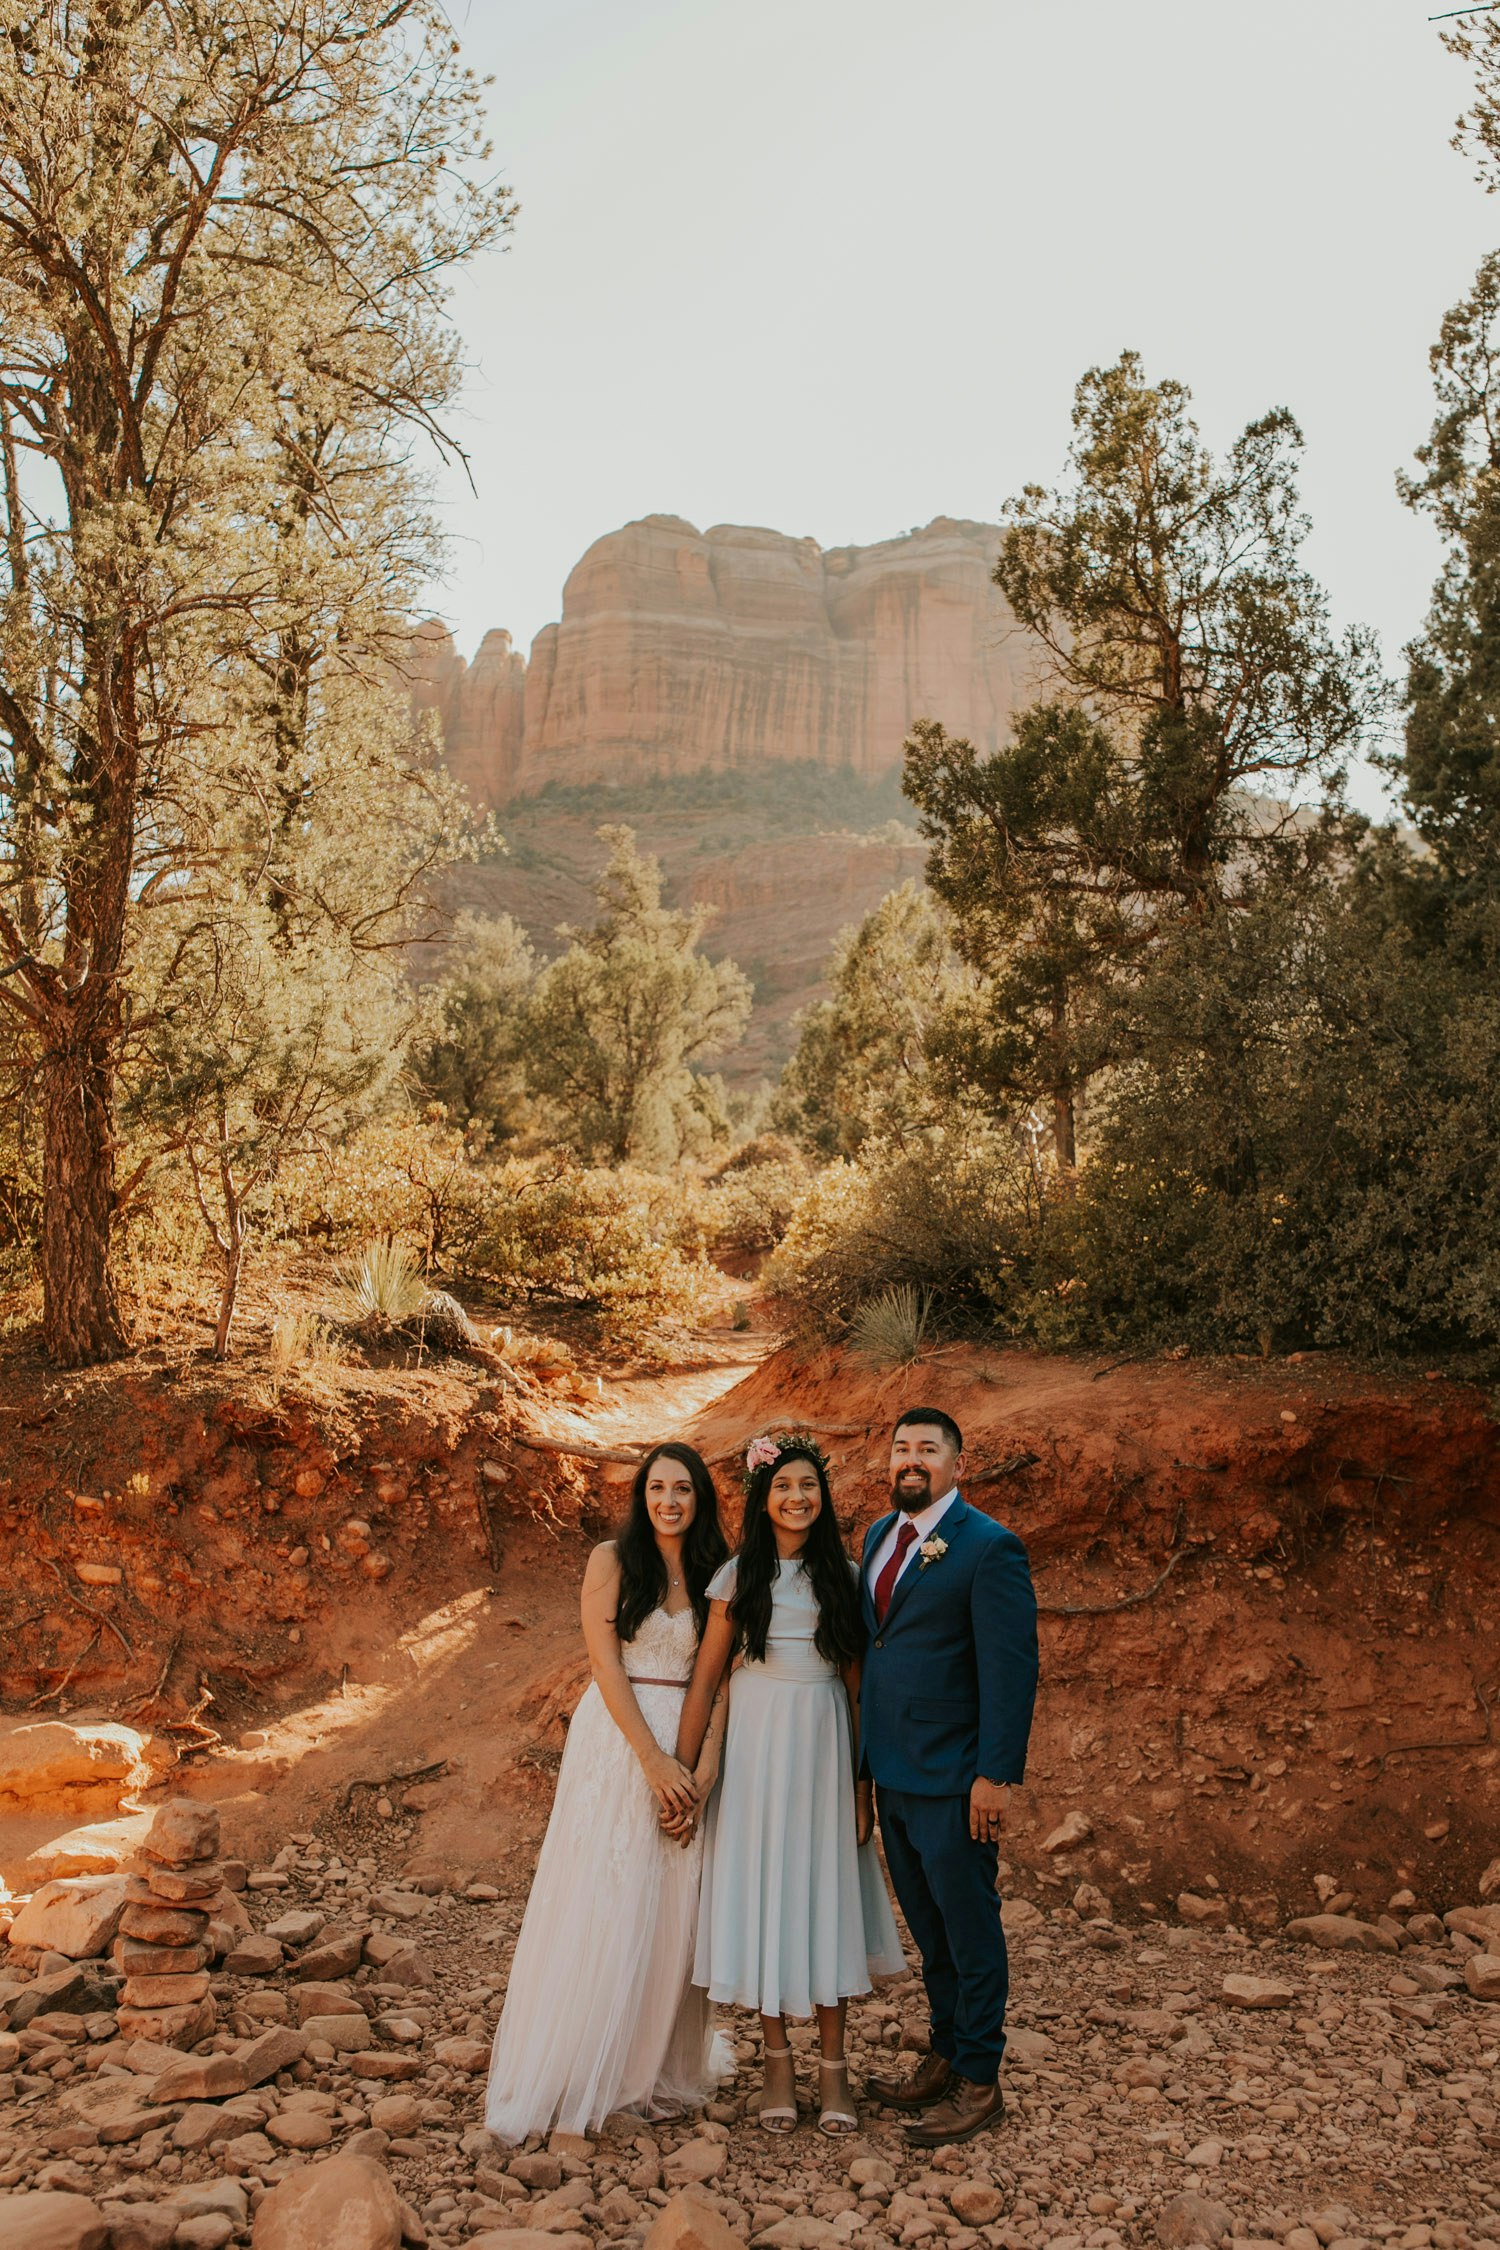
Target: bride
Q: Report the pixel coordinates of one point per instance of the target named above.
(599, 2012)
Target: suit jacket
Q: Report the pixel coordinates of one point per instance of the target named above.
(949, 1679)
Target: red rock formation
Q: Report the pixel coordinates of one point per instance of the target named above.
(481, 707)
(679, 650)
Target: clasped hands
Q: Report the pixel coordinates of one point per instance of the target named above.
(680, 1795)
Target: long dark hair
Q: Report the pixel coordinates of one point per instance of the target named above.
(643, 1574)
(838, 1637)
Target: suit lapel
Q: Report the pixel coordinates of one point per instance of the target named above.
(876, 1533)
(948, 1529)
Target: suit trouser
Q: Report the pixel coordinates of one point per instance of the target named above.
(945, 1882)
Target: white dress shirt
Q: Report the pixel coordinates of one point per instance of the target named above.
(925, 1522)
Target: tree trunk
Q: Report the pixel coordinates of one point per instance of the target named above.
(82, 1321)
(229, 1295)
(1064, 1137)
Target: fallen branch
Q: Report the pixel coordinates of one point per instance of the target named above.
(398, 1780)
(1127, 1601)
(38, 1701)
(1128, 1361)
(1010, 1468)
(97, 1614)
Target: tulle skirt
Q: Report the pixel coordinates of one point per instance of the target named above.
(600, 2013)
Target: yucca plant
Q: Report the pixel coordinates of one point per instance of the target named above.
(890, 1329)
(383, 1286)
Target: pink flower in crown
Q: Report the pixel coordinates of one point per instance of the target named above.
(760, 1453)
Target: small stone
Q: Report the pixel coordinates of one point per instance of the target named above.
(345, 2034)
(1341, 1933)
(399, 2113)
(162, 1925)
(297, 1928)
(300, 2128)
(537, 2171)
(208, 2230)
(325, 2000)
(1489, 1881)
(692, 2164)
(1194, 1908)
(331, 1958)
(1257, 1992)
(463, 2054)
(254, 1955)
(525, 2238)
(1193, 2218)
(346, 2201)
(183, 1832)
(687, 2222)
(1482, 1975)
(381, 2064)
(273, 2051)
(52, 2220)
(140, 2226)
(169, 2027)
(1206, 2156)
(1074, 1828)
(570, 2144)
(202, 2078)
(975, 2203)
(165, 1992)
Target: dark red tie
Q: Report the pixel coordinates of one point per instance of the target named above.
(885, 1584)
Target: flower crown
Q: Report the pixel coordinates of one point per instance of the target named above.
(762, 1451)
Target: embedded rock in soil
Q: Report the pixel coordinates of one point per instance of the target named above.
(344, 2203)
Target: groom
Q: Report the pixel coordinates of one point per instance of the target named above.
(949, 1679)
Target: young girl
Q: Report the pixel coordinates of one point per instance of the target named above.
(794, 1915)
(600, 2013)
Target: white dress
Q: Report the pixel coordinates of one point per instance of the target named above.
(600, 2013)
(795, 1914)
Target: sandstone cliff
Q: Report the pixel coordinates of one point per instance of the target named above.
(680, 651)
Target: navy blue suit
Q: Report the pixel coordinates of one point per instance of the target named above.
(946, 1696)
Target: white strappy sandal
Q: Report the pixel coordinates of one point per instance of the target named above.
(833, 2120)
(778, 2115)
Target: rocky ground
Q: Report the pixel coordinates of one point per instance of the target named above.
(1335, 2085)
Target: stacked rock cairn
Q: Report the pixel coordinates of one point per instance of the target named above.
(163, 1946)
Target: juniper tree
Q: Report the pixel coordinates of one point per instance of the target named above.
(1195, 694)
(618, 1023)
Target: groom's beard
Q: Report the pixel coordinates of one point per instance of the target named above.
(911, 1489)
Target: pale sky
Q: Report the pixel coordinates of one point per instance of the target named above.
(834, 266)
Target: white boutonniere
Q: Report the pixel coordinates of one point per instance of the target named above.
(932, 1550)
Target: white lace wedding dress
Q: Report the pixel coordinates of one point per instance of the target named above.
(599, 2014)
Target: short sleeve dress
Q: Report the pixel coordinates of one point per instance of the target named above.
(794, 1914)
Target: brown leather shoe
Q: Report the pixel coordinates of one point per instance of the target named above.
(926, 2086)
(967, 2111)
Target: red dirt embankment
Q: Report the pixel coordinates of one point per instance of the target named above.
(1333, 1542)
(386, 1578)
